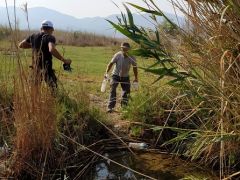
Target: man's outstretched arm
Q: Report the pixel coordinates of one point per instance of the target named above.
(24, 45)
(135, 71)
(56, 54)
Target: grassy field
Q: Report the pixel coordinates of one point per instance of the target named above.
(88, 63)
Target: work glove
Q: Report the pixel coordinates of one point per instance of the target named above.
(67, 67)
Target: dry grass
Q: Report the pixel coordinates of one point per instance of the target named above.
(85, 39)
(35, 121)
(75, 38)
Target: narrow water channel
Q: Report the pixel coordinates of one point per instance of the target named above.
(158, 166)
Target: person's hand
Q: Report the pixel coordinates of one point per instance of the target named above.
(67, 61)
(106, 75)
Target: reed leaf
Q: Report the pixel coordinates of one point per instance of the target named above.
(157, 13)
(130, 16)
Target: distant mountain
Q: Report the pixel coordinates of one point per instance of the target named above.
(97, 25)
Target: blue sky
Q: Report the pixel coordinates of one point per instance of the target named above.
(84, 8)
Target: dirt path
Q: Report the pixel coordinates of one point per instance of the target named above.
(114, 119)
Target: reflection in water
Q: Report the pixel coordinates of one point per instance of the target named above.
(102, 172)
(162, 167)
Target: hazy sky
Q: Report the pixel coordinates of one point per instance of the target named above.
(84, 8)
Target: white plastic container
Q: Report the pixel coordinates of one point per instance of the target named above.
(135, 86)
(140, 146)
(104, 84)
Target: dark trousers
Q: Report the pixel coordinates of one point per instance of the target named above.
(50, 78)
(125, 85)
(48, 75)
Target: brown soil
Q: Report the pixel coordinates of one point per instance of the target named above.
(114, 119)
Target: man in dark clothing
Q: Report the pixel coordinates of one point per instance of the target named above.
(43, 48)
